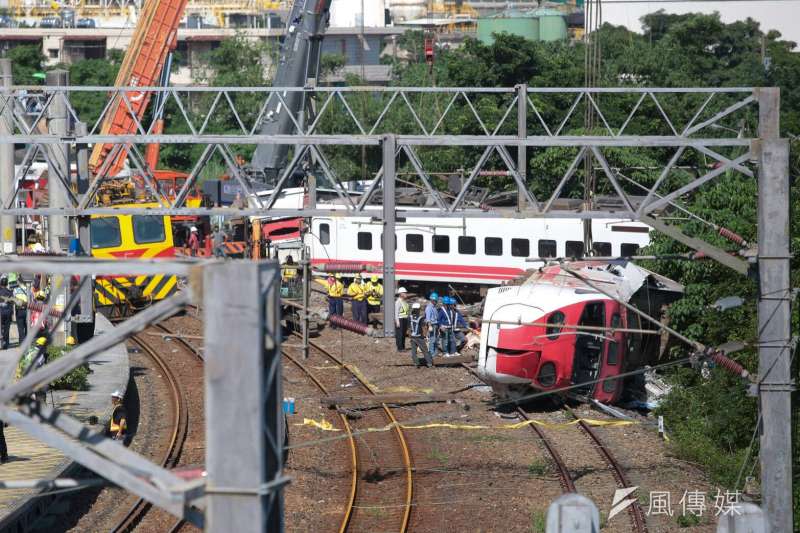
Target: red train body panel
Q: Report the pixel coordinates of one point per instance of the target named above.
(555, 332)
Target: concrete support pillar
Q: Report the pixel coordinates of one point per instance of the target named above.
(243, 397)
(389, 146)
(8, 234)
(58, 124)
(774, 315)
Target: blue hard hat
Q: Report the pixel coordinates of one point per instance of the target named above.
(446, 300)
(433, 296)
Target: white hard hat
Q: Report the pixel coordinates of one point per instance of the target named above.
(193, 228)
(416, 306)
(116, 394)
(401, 290)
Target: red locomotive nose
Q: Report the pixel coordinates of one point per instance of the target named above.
(518, 363)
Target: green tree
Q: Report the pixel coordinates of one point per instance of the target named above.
(93, 72)
(26, 60)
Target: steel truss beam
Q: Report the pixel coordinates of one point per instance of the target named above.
(489, 113)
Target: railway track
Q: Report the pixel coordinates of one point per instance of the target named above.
(381, 471)
(635, 511)
(638, 522)
(564, 477)
(180, 417)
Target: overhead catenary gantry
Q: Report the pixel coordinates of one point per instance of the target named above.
(493, 126)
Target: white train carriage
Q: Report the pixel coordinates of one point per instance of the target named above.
(469, 251)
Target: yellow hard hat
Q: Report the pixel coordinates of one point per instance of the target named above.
(374, 278)
(338, 276)
(71, 341)
(357, 276)
(41, 341)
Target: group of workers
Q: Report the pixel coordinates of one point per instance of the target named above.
(439, 329)
(216, 242)
(366, 297)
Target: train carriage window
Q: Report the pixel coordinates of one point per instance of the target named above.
(520, 247)
(441, 244)
(602, 249)
(148, 228)
(574, 249)
(547, 248)
(364, 240)
(466, 245)
(493, 246)
(554, 324)
(414, 242)
(324, 233)
(105, 232)
(613, 352)
(628, 249)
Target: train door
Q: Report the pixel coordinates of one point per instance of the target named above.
(615, 353)
(589, 347)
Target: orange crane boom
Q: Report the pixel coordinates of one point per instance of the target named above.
(155, 36)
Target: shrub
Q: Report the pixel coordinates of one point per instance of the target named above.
(77, 379)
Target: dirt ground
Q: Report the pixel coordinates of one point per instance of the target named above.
(491, 479)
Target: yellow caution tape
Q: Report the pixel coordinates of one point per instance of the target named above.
(327, 426)
(361, 377)
(324, 425)
(407, 389)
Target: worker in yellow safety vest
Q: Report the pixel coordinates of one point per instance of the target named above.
(401, 310)
(357, 290)
(118, 425)
(289, 274)
(335, 293)
(374, 295)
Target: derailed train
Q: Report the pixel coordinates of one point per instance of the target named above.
(554, 331)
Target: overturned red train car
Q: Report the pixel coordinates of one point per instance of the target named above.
(554, 330)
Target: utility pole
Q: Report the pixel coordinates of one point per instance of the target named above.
(774, 314)
(244, 418)
(58, 124)
(86, 315)
(522, 134)
(389, 146)
(8, 223)
(305, 261)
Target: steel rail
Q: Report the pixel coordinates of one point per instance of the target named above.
(353, 454)
(188, 347)
(564, 477)
(635, 510)
(179, 431)
(398, 431)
